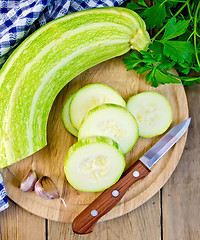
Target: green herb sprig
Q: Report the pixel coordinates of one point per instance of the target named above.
(175, 28)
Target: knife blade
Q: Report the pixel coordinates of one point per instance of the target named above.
(86, 220)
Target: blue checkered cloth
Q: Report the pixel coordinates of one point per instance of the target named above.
(3, 197)
(19, 18)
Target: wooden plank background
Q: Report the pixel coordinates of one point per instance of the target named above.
(172, 214)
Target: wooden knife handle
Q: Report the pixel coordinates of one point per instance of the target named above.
(85, 221)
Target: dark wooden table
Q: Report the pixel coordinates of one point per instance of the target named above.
(172, 214)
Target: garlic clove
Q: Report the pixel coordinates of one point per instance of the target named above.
(46, 189)
(28, 182)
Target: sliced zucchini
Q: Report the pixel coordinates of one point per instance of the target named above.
(111, 120)
(66, 119)
(152, 111)
(94, 164)
(89, 97)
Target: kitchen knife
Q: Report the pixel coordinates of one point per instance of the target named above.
(85, 221)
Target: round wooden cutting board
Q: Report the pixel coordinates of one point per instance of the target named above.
(49, 161)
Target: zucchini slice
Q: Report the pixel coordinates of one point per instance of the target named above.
(152, 111)
(111, 120)
(94, 164)
(66, 119)
(89, 97)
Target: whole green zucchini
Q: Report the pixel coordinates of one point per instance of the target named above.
(47, 60)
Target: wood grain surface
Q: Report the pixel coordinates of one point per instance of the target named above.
(49, 160)
(181, 194)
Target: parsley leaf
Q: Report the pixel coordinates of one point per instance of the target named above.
(149, 58)
(156, 47)
(166, 65)
(189, 81)
(132, 61)
(139, 7)
(133, 6)
(165, 77)
(174, 29)
(142, 69)
(145, 61)
(180, 51)
(157, 76)
(151, 78)
(175, 41)
(142, 3)
(155, 16)
(183, 68)
(196, 68)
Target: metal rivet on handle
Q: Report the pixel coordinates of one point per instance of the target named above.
(115, 193)
(136, 174)
(94, 213)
